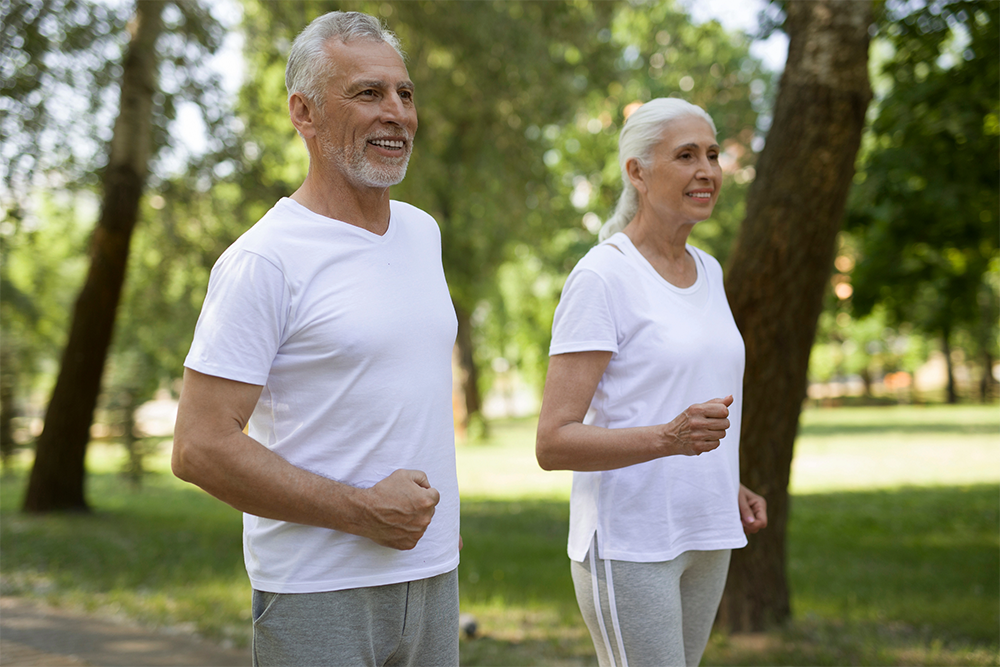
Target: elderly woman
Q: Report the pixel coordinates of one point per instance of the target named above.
(642, 400)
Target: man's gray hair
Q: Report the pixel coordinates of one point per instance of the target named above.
(639, 136)
(309, 66)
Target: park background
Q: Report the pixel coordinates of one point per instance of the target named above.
(892, 536)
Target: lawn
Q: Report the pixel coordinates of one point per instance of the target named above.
(893, 548)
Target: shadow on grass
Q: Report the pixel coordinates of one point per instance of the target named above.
(943, 428)
(927, 558)
(164, 534)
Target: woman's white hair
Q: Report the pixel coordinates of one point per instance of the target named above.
(639, 136)
(309, 65)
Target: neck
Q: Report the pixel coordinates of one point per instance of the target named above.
(662, 238)
(335, 198)
(664, 246)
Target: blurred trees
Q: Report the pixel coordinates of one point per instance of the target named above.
(42, 35)
(924, 214)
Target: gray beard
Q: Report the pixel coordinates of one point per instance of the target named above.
(380, 172)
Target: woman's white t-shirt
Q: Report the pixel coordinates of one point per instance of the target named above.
(351, 335)
(671, 348)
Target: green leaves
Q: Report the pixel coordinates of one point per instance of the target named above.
(924, 214)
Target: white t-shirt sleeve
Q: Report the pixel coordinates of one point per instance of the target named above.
(584, 319)
(242, 321)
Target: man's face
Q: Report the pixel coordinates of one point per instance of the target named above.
(367, 120)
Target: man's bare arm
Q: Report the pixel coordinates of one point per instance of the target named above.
(211, 451)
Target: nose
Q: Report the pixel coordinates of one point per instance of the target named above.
(394, 109)
(705, 169)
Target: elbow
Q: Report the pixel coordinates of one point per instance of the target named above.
(544, 460)
(183, 459)
(178, 460)
(544, 453)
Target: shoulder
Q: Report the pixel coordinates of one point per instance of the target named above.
(410, 214)
(264, 246)
(265, 236)
(710, 262)
(605, 262)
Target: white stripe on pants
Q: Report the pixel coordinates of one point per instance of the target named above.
(652, 614)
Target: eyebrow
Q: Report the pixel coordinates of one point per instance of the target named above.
(378, 84)
(694, 145)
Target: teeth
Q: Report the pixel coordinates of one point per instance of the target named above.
(701, 195)
(388, 143)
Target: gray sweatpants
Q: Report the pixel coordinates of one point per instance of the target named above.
(652, 614)
(414, 623)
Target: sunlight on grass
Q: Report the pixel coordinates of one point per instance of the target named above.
(837, 450)
(504, 465)
(890, 447)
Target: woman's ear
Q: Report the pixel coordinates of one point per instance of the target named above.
(636, 174)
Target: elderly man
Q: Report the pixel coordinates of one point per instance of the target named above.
(327, 333)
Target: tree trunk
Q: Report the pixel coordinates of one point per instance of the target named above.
(987, 382)
(779, 270)
(134, 468)
(951, 395)
(469, 372)
(57, 477)
(8, 409)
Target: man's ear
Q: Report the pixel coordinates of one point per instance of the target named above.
(303, 115)
(636, 174)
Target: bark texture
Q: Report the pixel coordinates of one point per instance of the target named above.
(779, 270)
(471, 408)
(58, 475)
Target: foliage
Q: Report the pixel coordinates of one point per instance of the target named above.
(924, 212)
(867, 347)
(656, 52)
(61, 74)
(39, 265)
(61, 86)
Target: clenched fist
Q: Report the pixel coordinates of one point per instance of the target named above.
(399, 509)
(700, 427)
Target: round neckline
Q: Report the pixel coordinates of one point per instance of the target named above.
(621, 239)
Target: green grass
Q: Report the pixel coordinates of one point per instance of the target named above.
(893, 548)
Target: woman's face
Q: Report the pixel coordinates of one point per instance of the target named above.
(682, 178)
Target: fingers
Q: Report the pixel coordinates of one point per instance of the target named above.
(401, 508)
(727, 401)
(753, 510)
(418, 476)
(701, 427)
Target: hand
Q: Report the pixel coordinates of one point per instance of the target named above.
(753, 511)
(700, 428)
(399, 509)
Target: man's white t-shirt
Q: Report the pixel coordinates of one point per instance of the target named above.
(672, 347)
(350, 334)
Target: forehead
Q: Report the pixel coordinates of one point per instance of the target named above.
(363, 59)
(687, 130)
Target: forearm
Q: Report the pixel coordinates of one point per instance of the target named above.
(581, 447)
(241, 472)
